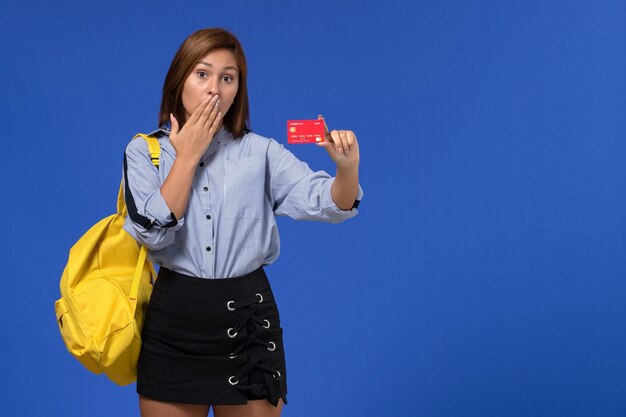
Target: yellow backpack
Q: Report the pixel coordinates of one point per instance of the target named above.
(105, 289)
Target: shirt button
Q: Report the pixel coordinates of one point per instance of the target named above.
(208, 217)
(208, 249)
(206, 188)
(201, 163)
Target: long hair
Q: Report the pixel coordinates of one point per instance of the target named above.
(196, 46)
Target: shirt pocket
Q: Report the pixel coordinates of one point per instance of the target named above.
(244, 188)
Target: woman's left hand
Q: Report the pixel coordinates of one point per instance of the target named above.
(341, 145)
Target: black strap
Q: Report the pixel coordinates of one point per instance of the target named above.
(131, 207)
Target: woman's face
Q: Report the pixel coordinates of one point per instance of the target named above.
(215, 73)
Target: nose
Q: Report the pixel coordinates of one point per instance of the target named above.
(212, 86)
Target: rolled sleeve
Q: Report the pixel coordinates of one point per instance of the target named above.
(144, 200)
(156, 209)
(329, 204)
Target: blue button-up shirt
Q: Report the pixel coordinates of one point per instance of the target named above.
(229, 227)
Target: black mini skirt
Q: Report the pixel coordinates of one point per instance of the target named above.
(212, 341)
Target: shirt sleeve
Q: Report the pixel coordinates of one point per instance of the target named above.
(149, 220)
(298, 192)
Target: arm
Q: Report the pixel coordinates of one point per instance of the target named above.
(298, 192)
(345, 188)
(190, 143)
(162, 205)
(343, 149)
(177, 186)
(149, 221)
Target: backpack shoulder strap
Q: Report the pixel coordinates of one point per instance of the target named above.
(153, 147)
(155, 152)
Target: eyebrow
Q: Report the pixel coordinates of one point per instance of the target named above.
(211, 65)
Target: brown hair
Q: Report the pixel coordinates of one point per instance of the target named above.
(197, 45)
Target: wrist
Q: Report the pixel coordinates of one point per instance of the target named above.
(348, 170)
(186, 162)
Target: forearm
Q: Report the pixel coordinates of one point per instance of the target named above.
(177, 186)
(345, 188)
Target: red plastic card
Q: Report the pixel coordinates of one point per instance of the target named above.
(305, 131)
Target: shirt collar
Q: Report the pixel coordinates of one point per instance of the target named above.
(159, 132)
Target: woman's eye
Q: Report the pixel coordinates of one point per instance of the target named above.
(201, 74)
(228, 78)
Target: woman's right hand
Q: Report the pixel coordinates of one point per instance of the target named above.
(192, 141)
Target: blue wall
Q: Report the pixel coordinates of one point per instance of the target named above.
(484, 275)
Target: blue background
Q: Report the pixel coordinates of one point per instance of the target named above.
(484, 275)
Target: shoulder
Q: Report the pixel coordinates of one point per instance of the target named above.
(253, 144)
(138, 146)
(137, 153)
(277, 157)
(255, 140)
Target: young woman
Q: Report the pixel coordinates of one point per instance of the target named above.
(212, 334)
